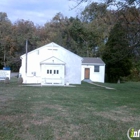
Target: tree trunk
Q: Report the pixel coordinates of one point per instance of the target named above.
(4, 57)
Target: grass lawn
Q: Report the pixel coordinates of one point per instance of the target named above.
(84, 112)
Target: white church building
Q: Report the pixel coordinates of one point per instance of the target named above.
(53, 64)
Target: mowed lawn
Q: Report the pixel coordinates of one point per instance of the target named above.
(84, 112)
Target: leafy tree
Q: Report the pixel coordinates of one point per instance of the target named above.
(94, 11)
(22, 30)
(126, 11)
(68, 32)
(117, 54)
(6, 46)
(98, 21)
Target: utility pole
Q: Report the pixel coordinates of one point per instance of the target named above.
(26, 61)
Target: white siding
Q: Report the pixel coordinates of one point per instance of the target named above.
(72, 66)
(94, 76)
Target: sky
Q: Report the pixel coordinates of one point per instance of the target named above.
(38, 11)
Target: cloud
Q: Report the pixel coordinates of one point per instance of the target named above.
(34, 10)
(39, 18)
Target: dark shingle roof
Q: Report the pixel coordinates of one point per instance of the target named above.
(92, 60)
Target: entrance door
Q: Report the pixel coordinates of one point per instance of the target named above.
(87, 73)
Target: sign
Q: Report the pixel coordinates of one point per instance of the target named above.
(132, 133)
(4, 74)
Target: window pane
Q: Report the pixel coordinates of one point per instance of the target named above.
(54, 71)
(50, 71)
(96, 69)
(34, 73)
(57, 71)
(47, 71)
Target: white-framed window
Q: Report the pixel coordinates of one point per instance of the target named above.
(33, 73)
(37, 52)
(48, 71)
(96, 68)
(52, 71)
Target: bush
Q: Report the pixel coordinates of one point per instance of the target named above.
(20, 80)
(6, 81)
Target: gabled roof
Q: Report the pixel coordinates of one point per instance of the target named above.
(50, 45)
(92, 60)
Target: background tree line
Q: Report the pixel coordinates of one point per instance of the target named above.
(98, 31)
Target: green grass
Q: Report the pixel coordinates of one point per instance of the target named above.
(84, 112)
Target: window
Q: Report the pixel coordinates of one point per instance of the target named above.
(96, 68)
(47, 71)
(33, 73)
(37, 52)
(54, 71)
(50, 71)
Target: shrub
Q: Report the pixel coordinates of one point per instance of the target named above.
(20, 80)
(6, 81)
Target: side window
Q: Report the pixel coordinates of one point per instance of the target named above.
(34, 73)
(96, 68)
(37, 52)
(57, 71)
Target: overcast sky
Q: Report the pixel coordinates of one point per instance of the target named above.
(38, 11)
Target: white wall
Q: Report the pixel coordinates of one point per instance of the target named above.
(33, 65)
(72, 64)
(94, 76)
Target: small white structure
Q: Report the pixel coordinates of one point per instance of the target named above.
(51, 64)
(4, 74)
(93, 69)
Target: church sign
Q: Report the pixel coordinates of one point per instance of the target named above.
(4, 74)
